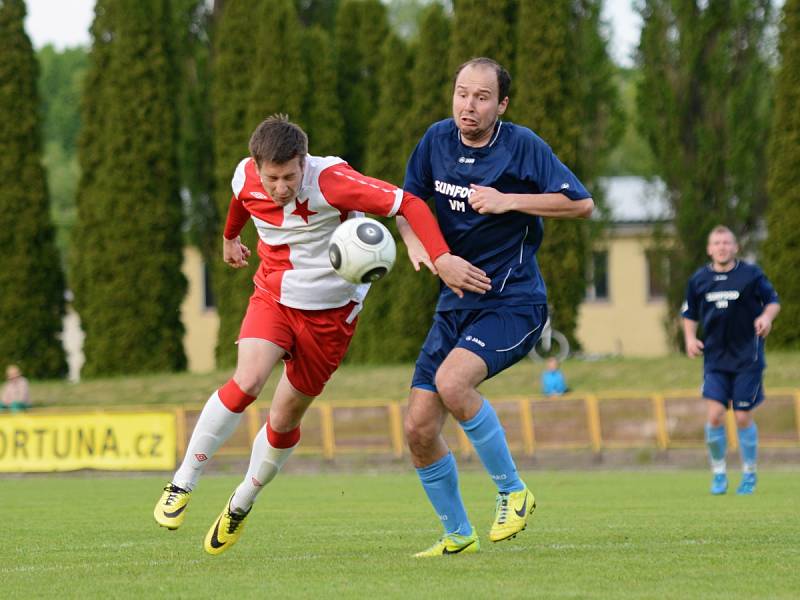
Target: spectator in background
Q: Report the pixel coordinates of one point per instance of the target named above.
(15, 390)
(553, 382)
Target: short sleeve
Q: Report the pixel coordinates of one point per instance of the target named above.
(690, 309)
(346, 189)
(419, 177)
(548, 173)
(764, 289)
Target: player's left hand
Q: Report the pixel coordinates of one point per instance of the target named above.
(763, 325)
(486, 200)
(418, 255)
(461, 275)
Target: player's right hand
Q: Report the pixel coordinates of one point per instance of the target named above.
(235, 253)
(694, 347)
(460, 275)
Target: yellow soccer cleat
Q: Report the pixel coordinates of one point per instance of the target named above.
(453, 543)
(225, 531)
(170, 510)
(511, 514)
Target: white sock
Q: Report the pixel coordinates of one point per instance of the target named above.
(748, 467)
(215, 425)
(718, 467)
(265, 462)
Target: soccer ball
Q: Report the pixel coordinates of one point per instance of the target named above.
(362, 250)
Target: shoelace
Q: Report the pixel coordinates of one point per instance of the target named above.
(235, 520)
(174, 492)
(502, 508)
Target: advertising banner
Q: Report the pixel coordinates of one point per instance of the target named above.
(108, 441)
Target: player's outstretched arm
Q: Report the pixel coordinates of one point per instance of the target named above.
(460, 275)
(234, 252)
(694, 347)
(487, 200)
(416, 251)
(763, 324)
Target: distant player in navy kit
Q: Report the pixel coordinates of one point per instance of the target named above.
(736, 305)
(492, 183)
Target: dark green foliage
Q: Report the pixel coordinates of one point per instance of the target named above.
(128, 244)
(279, 81)
(431, 78)
(400, 308)
(483, 28)
(31, 281)
(233, 69)
(60, 84)
(320, 13)
(385, 160)
(252, 80)
(361, 29)
(322, 118)
(195, 159)
(703, 106)
(567, 96)
(782, 247)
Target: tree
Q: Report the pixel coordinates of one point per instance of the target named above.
(703, 105)
(431, 77)
(128, 244)
(61, 75)
(567, 96)
(233, 69)
(322, 117)
(483, 28)
(31, 281)
(782, 247)
(254, 77)
(386, 160)
(361, 28)
(195, 129)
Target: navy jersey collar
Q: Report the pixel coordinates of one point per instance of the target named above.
(497, 126)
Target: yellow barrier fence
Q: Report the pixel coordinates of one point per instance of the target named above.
(592, 421)
(597, 421)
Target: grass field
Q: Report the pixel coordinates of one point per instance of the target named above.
(391, 382)
(595, 535)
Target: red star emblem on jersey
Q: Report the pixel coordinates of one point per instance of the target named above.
(302, 210)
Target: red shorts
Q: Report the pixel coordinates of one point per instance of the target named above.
(315, 340)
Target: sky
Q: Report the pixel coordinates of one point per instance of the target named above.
(65, 23)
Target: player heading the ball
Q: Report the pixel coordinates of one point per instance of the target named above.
(301, 312)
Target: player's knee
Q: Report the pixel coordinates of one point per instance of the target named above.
(451, 389)
(418, 434)
(743, 419)
(249, 381)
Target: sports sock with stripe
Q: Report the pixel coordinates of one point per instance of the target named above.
(717, 447)
(489, 440)
(748, 447)
(440, 481)
(265, 461)
(215, 425)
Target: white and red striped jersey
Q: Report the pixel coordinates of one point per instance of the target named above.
(293, 239)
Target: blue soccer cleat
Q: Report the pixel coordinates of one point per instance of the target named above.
(748, 484)
(719, 485)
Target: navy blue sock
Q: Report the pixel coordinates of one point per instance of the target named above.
(489, 440)
(440, 481)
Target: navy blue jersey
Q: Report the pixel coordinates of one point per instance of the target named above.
(726, 305)
(516, 161)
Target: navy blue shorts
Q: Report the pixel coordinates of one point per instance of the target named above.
(501, 337)
(743, 389)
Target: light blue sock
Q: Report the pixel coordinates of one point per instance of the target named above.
(748, 445)
(717, 446)
(489, 439)
(440, 481)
